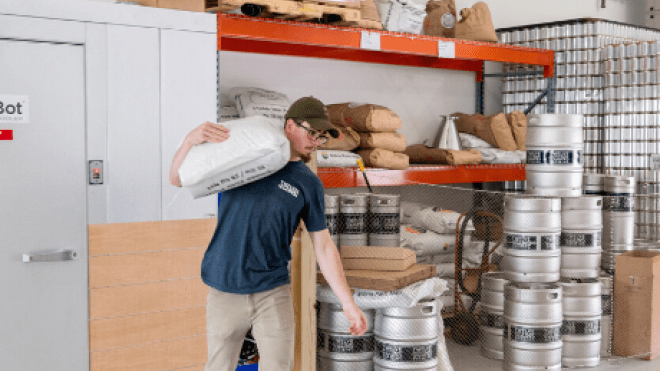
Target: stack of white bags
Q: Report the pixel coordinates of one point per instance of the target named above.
(431, 233)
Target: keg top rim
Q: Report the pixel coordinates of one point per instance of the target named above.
(533, 285)
(566, 281)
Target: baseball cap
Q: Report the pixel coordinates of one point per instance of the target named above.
(313, 111)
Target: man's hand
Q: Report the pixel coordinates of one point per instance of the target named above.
(357, 318)
(208, 132)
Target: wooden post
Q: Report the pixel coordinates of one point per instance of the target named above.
(303, 285)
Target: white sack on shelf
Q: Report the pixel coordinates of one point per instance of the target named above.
(260, 102)
(473, 141)
(255, 149)
(401, 16)
(438, 220)
(336, 158)
(498, 156)
(408, 209)
(228, 113)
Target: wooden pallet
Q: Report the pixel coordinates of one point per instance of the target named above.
(288, 9)
(362, 23)
(354, 4)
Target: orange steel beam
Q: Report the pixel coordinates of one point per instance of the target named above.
(351, 177)
(272, 36)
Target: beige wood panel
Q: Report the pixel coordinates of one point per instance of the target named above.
(303, 285)
(113, 270)
(164, 355)
(122, 238)
(145, 328)
(148, 297)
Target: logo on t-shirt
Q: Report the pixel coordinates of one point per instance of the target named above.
(289, 188)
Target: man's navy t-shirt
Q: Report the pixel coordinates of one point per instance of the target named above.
(251, 246)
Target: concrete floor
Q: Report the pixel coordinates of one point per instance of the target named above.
(468, 358)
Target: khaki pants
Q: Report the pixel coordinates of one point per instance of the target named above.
(230, 316)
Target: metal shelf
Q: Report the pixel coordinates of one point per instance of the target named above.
(281, 37)
(333, 177)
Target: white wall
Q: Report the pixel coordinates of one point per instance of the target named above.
(418, 95)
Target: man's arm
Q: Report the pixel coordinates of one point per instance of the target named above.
(330, 263)
(207, 132)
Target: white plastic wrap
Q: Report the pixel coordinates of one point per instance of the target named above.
(255, 149)
(408, 209)
(499, 156)
(336, 158)
(473, 141)
(260, 102)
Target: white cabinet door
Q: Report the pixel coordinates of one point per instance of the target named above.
(188, 99)
(43, 207)
(134, 164)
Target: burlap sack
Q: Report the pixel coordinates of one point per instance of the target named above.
(518, 124)
(336, 113)
(348, 140)
(493, 129)
(394, 142)
(421, 154)
(440, 19)
(476, 24)
(383, 158)
(371, 117)
(469, 157)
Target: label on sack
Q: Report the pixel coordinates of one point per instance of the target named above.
(448, 20)
(534, 335)
(580, 239)
(402, 353)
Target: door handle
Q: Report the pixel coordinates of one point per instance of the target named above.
(50, 256)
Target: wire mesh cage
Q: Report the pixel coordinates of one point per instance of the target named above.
(527, 281)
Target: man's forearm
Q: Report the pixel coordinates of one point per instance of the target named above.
(178, 159)
(331, 267)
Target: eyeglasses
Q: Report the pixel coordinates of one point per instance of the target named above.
(313, 134)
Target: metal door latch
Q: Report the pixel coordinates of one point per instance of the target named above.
(50, 256)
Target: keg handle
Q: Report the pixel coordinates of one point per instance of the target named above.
(553, 296)
(427, 309)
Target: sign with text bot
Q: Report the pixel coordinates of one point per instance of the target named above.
(14, 109)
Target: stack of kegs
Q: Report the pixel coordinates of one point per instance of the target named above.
(554, 165)
(366, 219)
(337, 349)
(407, 338)
(618, 219)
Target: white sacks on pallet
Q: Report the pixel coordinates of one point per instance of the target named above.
(255, 149)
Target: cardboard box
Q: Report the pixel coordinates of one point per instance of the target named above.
(377, 258)
(384, 281)
(637, 304)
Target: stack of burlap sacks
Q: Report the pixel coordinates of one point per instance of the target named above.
(370, 130)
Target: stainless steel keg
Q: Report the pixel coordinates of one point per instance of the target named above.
(332, 216)
(492, 310)
(532, 326)
(581, 219)
(555, 147)
(593, 184)
(532, 227)
(407, 338)
(384, 220)
(337, 348)
(607, 292)
(581, 336)
(353, 219)
(618, 219)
